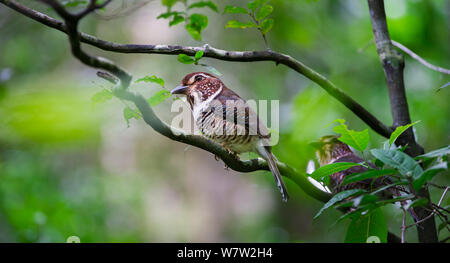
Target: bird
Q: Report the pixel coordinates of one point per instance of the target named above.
(329, 149)
(225, 118)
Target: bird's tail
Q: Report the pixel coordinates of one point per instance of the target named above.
(266, 153)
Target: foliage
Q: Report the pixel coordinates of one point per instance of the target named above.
(367, 218)
(398, 131)
(101, 96)
(371, 225)
(129, 113)
(152, 79)
(194, 23)
(356, 139)
(74, 3)
(185, 59)
(258, 11)
(158, 97)
(323, 172)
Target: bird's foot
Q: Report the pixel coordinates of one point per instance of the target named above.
(230, 152)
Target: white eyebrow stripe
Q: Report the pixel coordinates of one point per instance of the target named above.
(191, 80)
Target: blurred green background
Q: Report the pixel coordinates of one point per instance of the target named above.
(70, 168)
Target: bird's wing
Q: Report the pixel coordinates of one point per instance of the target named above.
(237, 111)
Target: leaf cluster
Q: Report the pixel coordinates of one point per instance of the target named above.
(258, 11)
(195, 23)
(404, 173)
(129, 112)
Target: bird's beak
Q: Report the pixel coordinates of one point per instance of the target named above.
(179, 90)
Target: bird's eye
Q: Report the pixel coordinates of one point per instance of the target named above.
(198, 78)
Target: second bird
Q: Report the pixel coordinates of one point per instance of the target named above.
(225, 118)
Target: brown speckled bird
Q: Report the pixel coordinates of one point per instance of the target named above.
(331, 150)
(225, 118)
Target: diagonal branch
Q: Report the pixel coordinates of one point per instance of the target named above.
(421, 60)
(161, 127)
(237, 56)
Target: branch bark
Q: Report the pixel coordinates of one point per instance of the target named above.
(393, 65)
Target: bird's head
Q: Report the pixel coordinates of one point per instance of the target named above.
(329, 148)
(199, 87)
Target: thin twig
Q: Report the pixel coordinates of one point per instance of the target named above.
(443, 195)
(418, 58)
(440, 207)
(403, 225)
(432, 213)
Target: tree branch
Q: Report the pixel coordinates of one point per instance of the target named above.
(237, 56)
(393, 65)
(421, 60)
(69, 26)
(161, 127)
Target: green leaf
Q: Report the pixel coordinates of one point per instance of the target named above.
(266, 25)
(398, 131)
(235, 10)
(238, 24)
(339, 197)
(196, 24)
(176, 20)
(169, 14)
(330, 169)
(356, 139)
(198, 55)
(428, 175)
(153, 79)
(366, 175)
(442, 226)
(129, 114)
(253, 5)
(101, 96)
(371, 225)
(264, 12)
(204, 4)
(383, 188)
(185, 59)
(436, 153)
(158, 97)
(74, 3)
(169, 3)
(400, 160)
